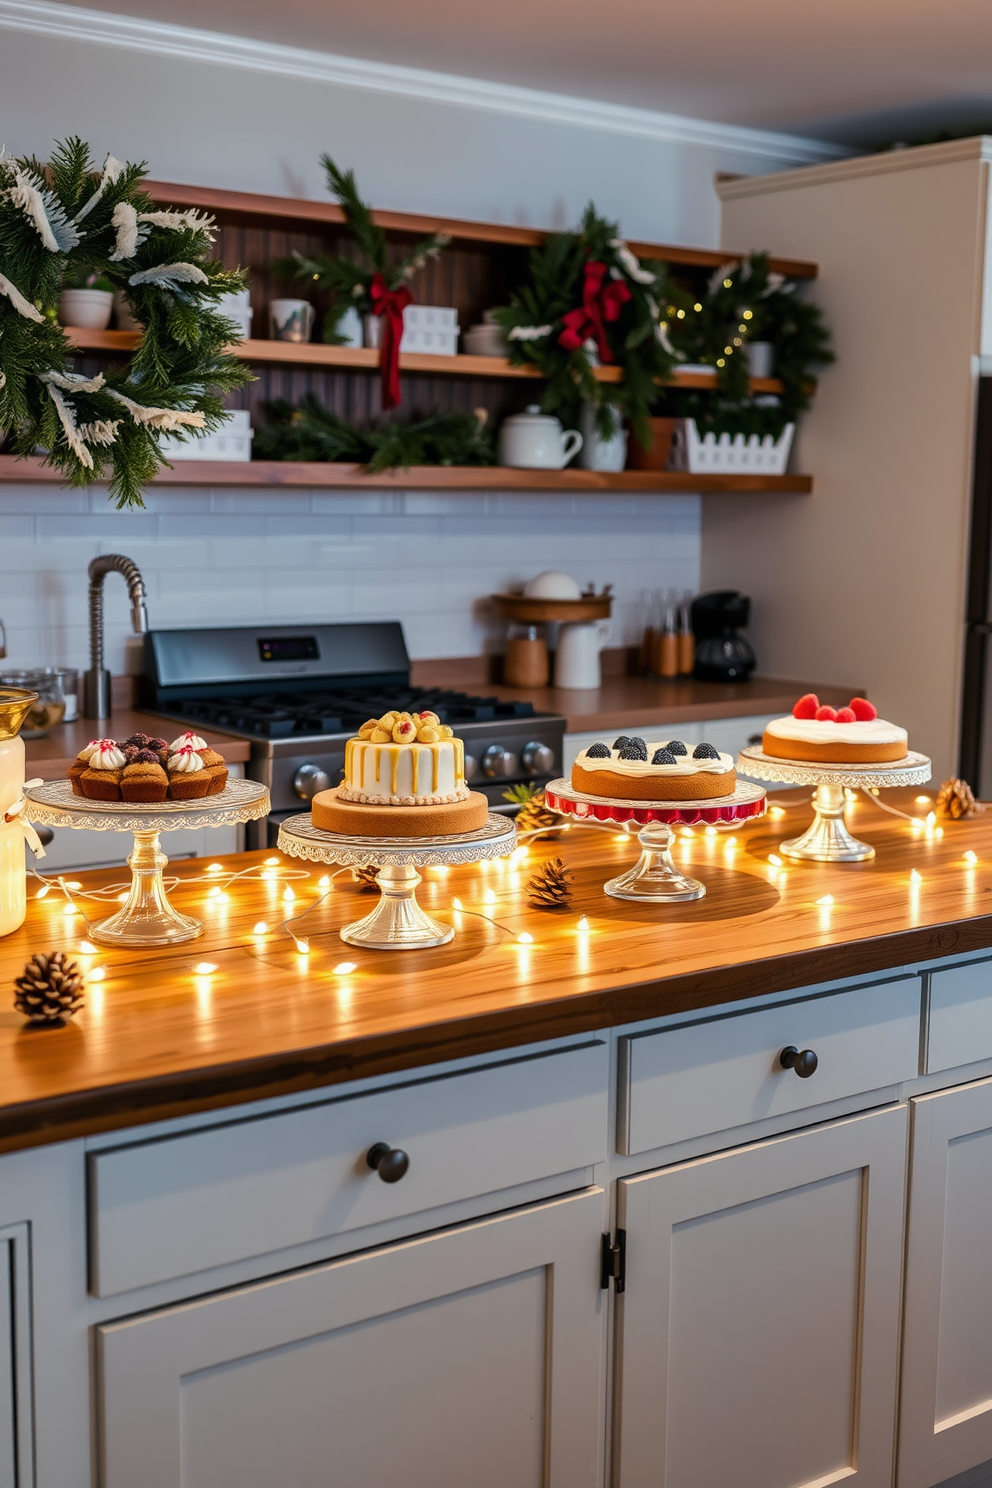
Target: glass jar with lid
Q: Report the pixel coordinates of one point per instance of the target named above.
(48, 709)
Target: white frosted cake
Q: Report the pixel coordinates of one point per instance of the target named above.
(854, 735)
(401, 760)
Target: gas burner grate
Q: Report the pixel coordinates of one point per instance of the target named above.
(282, 715)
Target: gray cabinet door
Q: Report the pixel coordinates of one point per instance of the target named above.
(471, 1356)
(946, 1416)
(16, 1437)
(758, 1333)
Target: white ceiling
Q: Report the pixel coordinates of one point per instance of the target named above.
(857, 70)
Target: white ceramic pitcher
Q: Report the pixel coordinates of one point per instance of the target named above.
(577, 656)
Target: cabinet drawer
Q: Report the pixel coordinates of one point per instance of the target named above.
(960, 1016)
(183, 1204)
(708, 1077)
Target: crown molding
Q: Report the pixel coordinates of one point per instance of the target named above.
(72, 23)
(887, 162)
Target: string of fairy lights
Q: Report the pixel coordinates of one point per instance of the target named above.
(289, 923)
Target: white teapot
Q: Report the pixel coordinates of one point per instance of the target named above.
(535, 441)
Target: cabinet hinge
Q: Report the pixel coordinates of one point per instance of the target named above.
(614, 1262)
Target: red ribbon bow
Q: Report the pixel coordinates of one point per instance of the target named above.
(390, 304)
(599, 305)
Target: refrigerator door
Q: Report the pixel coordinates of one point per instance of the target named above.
(975, 763)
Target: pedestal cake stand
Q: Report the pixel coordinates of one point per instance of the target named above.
(827, 840)
(147, 918)
(397, 923)
(655, 879)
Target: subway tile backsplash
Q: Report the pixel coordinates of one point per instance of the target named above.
(429, 559)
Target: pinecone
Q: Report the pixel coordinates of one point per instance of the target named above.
(955, 801)
(534, 814)
(551, 887)
(49, 990)
(365, 879)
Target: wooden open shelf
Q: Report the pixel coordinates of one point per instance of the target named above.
(296, 212)
(359, 358)
(426, 477)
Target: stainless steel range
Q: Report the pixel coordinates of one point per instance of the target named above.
(297, 692)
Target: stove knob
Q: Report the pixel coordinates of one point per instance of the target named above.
(308, 780)
(537, 758)
(471, 767)
(498, 761)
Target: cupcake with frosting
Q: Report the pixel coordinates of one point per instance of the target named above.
(188, 777)
(101, 780)
(80, 765)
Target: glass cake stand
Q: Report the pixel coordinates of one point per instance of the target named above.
(148, 918)
(654, 878)
(827, 839)
(397, 923)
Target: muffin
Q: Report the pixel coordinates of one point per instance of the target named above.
(188, 779)
(81, 764)
(216, 768)
(101, 785)
(144, 781)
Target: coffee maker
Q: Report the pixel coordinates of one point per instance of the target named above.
(722, 654)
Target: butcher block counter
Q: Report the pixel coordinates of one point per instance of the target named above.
(158, 1040)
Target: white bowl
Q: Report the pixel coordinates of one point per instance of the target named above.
(484, 340)
(552, 585)
(86, 309)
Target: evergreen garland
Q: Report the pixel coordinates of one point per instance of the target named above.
(537, 322)
(744, 302)
(311, 432)
(64, 220)
(350, 279)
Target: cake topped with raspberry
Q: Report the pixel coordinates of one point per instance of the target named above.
(404, 775)
(818, 733)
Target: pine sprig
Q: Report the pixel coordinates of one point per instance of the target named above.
(102, 222)
(311, 432)
(348, 279)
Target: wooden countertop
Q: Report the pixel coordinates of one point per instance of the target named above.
(156, 1039)
(51, 757)
(624, 701)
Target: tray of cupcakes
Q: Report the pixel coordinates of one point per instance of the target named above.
(149, 769)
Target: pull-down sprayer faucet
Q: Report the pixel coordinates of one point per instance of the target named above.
(96, 682)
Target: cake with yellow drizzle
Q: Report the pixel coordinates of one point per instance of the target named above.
(404, 776)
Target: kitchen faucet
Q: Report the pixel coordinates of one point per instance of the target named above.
(96, 682)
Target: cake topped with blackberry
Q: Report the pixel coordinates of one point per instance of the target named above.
(637, 769)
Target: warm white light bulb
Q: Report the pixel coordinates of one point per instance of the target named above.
(711, 831)
(70, 909)
(45, 889)
(271, 862)
(489, 897)
(525, 939)
(971, 858)
(260, 928)
(583, 924)
(775, 860)
(826, 901)
(96, 974)
(215, 868)
(456, 904)
(923, 800)
(214, 893)
(343, 968)
(204, 968)
(87, 948)
(73, 883)
(324, 882)
(303, 946)
(288, 894)
(776, 811)
(915, 877)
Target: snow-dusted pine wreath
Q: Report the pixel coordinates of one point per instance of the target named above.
(65, 217)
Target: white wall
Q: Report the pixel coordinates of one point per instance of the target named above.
(230, 557)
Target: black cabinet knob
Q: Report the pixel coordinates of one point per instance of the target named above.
(803, 1061)
(389, 1162)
